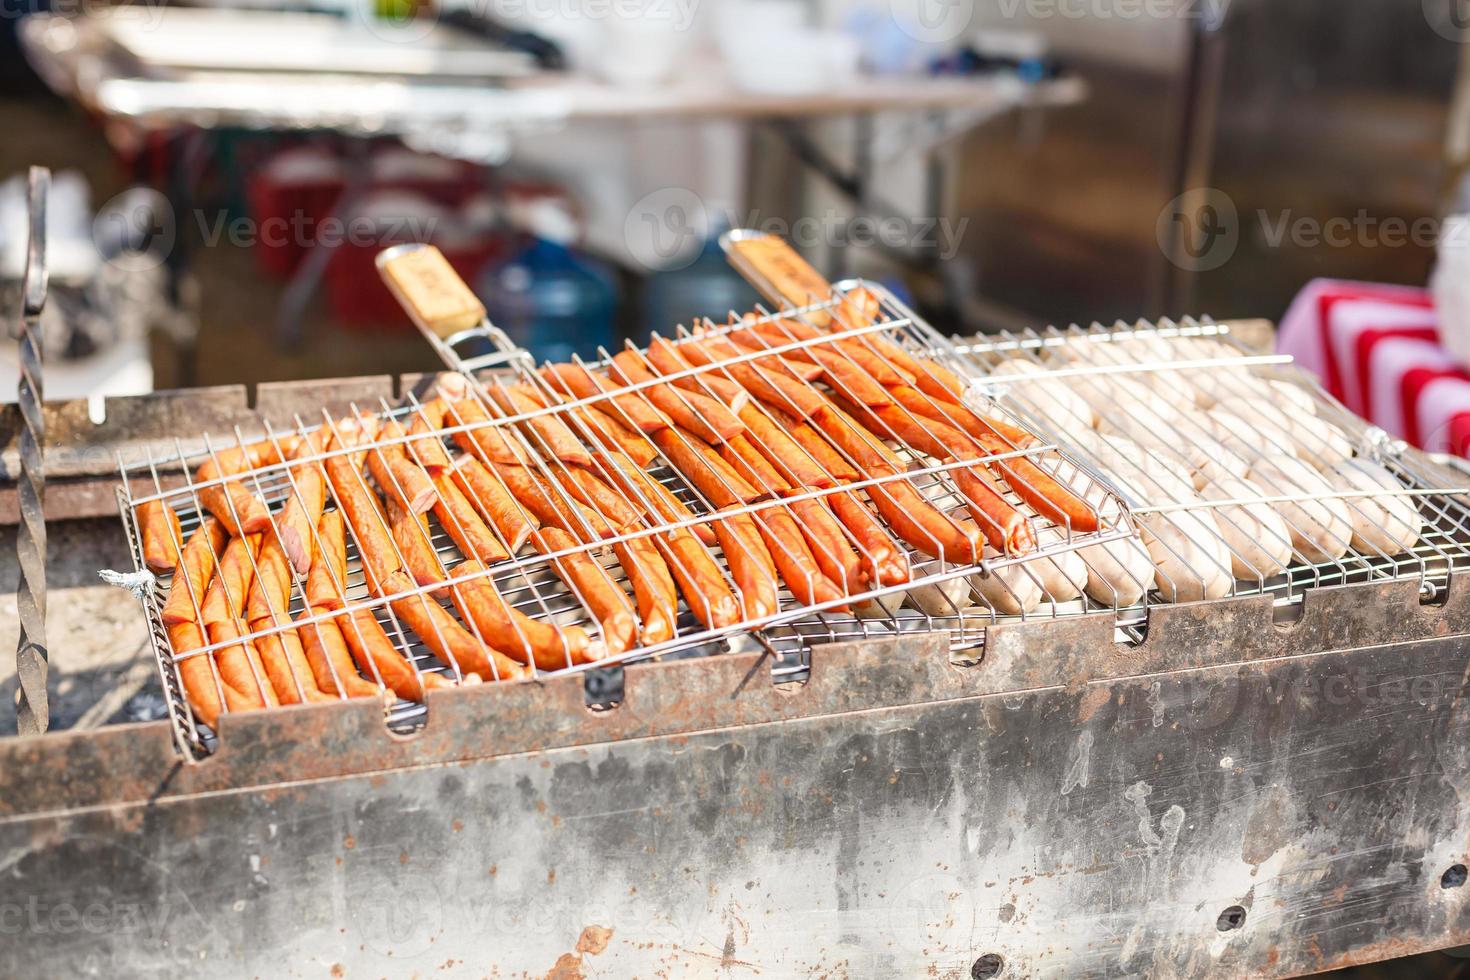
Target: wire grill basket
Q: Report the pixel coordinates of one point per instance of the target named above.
(1186, 421)
(941, 594)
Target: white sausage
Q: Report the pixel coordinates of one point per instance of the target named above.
(1246, 438)
(1062, 578)
(1010, 591)
(879, 607)
(1258, 538)
(948, 598)
(1191, 562)
(1049, 397)
(1319, 442)
(1320, 529)
(1388, 525)
(1133, 411)
(1118, 572)
(1292, 396)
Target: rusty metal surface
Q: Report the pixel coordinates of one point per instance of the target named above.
(850, 829)
(128, 764)
(82, 456)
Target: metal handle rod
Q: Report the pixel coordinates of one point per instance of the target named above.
(32, 704)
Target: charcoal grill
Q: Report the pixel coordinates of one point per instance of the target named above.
(1273, 782)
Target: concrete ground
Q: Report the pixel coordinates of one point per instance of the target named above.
(102, 667)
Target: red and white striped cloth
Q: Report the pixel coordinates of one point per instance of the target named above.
(1377, 349)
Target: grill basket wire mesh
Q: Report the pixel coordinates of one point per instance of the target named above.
(1121, 371)
(528, 581)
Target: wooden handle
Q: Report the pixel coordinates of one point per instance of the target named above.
(432, 292)
(790, 276)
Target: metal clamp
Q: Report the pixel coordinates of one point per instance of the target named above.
(32, 704)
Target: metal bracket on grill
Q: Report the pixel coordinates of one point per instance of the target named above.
(1378, 445)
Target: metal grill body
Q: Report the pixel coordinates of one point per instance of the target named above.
(1071, 805)
(1269, 783)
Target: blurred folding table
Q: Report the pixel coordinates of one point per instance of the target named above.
(440, 90)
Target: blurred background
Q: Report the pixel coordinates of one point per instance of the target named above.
(229, 171)
(226, 172)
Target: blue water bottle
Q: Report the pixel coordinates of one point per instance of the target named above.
(707, 287)
(550, 299)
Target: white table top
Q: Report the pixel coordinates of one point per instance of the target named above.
(75, 59)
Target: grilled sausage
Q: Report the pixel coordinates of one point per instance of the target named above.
(599, 496)
(1004, 526)
(603, 597)
(458, 517)
(224, 600)
(612, 434)
(653, 588)
(813, 445)
(751, 565)
(246, 686)
(286, 666)
(698, 462)
(753, 467)
(555, 438)
(494, 502)
(829, 546)
(202, 685)
(450, 641)
(330, 659)
(427, 449)
(884, 562)
(922, 524)
(360, 508)
(398, 477)
(518, 636)
(200, 556)
(649, 496)
(667, 360)
(578, 382)
(235, 506)
(302, 512)
(162, 536)
(788, 549)
(769, 378)
(698, 413)
(270, 593)
(551, 506)
(483, 437)
(802, 472)
(328, 576)
(411, 534)
(377, 657)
